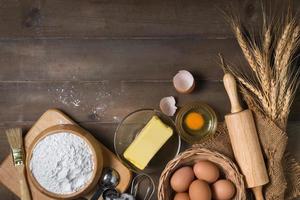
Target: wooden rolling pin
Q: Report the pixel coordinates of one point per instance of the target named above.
(244, 141)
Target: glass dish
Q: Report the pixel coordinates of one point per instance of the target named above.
(210, 122)
(131, 126)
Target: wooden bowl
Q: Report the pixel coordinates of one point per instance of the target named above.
(97, 159)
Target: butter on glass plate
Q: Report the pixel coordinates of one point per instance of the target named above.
(128, 130)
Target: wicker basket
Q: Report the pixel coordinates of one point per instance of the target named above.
(191, 156)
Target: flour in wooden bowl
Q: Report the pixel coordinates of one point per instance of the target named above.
(62, 163)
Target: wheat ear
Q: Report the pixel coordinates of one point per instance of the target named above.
(281, 44)
(282, 71)
(290, 47)
(262, 69)
(245, 48)
(257, 93)
(267, 42)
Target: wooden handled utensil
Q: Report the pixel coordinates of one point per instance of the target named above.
(245, 141)
(15, 140)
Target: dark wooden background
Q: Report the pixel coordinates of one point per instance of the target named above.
(98, 60)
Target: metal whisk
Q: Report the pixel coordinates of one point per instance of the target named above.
(137, 181)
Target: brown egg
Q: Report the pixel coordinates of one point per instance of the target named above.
(181, 179)
(207, 171)
(199, 190)
(182, 196)
(223, 190)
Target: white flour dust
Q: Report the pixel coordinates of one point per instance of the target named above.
(62, 163)
(87, 97)
(94, 98)
(68, 96)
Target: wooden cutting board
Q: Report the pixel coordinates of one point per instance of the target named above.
(9, 176)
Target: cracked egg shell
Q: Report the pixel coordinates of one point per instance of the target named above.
(167, 105)
(184, 82)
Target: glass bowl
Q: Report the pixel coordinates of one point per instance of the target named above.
(131, 126)
(208, 129)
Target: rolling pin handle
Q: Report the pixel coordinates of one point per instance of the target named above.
(258, 193)
(231, 89)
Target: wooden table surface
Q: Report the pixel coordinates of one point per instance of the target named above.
(98, 60)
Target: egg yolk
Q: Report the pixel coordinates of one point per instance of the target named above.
(194, 121)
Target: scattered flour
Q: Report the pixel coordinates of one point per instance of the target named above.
(68, 96)
(62, 163)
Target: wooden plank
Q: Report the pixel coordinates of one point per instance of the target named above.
(95, 60)
(4, 147)
(100, 18)
(6, 194)
(107, 101)
(121, 18)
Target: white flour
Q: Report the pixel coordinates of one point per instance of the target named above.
(62, 163)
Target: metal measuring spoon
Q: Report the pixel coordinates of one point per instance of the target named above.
(112, 194)
(123, 196)
(110, 179)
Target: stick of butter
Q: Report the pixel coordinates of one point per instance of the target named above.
(152, 137)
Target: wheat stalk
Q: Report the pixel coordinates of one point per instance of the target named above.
(245, 48)
(266, 58)
(262, 69)
(273, 85)
(290, 47)
(254, 58)
(263, 101)
(284, 65)
(285, 106)
(267, 42)
(281, 44)
(273, 99)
